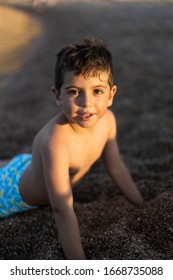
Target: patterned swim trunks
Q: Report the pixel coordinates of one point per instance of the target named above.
(11, 201)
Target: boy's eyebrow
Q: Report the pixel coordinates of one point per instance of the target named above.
(99, 86)
(72, 86)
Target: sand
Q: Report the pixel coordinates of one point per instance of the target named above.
(140, 38)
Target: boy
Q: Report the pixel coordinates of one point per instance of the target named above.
(67, 146)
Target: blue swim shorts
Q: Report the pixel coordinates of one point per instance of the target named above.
(11, 201)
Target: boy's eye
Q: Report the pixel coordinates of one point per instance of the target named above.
(98, 91)
(72, 91)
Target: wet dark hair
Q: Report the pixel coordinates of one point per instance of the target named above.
(87, 58)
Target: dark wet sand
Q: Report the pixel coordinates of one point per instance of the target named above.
(140, 38)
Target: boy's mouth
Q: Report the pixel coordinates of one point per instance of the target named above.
(85, 116)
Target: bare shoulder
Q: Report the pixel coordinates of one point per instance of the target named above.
(110, 115)
(52, 136)
(112, 125)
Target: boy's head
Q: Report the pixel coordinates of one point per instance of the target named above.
(91, 57)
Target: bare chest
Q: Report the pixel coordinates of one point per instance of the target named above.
(83, 155)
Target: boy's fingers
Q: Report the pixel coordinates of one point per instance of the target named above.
(157, 198)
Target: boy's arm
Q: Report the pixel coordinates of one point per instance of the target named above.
(117, 169)
(56, 172)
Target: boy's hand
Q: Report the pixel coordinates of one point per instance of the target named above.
(159, 197)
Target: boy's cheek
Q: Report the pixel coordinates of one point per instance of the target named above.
(102, 103)
(69, 107)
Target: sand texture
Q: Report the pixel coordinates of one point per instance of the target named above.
(139, 36)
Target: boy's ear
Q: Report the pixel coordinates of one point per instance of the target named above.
(112, 93)
(57, 95)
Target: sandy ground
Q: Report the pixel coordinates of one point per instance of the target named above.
(140, 38)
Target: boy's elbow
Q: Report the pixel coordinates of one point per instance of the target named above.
(56, 210)
(115, 170)
(62, 206)
(62, 211)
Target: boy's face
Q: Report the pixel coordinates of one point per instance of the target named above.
(85, 99)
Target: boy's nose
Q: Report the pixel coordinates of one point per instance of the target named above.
(85, 100)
